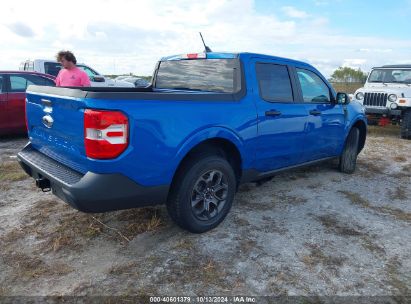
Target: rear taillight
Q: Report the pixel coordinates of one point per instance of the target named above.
(105, 133)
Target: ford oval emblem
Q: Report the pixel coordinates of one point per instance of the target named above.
(48, 121)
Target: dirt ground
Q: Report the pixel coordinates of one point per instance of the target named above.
(313, 231)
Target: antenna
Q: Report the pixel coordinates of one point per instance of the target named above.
(206, 48)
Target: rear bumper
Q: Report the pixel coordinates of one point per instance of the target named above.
(90, 192)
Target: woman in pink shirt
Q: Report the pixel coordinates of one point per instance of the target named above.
(70, 75)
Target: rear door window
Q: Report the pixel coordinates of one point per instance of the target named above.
(274, 82)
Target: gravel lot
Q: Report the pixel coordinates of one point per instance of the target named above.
(313, 231)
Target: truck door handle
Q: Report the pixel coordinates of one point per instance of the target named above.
(315, 112)
(272, 113)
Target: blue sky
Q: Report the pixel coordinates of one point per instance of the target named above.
(123, 36)
(361, 17)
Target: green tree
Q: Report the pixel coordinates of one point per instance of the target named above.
(346, 74)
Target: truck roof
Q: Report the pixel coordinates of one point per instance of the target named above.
(223, 55)
(27, 72)
(395, 66)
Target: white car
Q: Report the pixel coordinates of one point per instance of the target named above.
(386, 96)
(137, 81)
(52, 67)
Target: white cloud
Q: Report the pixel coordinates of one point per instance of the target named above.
(375, 50)
(292, 12)
(353, 63)
(129, 36)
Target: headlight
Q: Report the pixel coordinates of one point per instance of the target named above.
(359, 96)
(392, 97)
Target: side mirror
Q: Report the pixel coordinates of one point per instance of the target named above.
(343, 98)
(97, 78)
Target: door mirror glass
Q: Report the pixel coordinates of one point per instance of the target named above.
(342, 98)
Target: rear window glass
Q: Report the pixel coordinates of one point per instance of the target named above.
(212, 75)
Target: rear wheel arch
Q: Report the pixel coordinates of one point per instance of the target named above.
(212, 146)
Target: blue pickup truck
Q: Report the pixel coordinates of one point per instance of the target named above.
(209, 122)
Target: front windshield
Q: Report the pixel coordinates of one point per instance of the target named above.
(390, 75)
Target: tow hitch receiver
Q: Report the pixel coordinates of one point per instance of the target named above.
(43, 184)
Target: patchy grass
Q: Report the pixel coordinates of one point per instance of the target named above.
(284, 278)
(29, 267)
(4, 292)
(315, 185)
(4, 187)
(140, 220)
(241, 222)
(371, 246)
(389, 130)
(369, 168)
(120, 269)
(407, 169)
(270, 226)
(398, 194)
(400, 159)
(332, 224)
(356, 199)
(283, 198)
(11, 171)
(195, 269)
(247, 245)
(184, 244)
(57, 226)
(318, 257)
(392, 270)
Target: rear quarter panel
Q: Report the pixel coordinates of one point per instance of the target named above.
(163, 132)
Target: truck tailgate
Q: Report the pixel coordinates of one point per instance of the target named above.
(55, 127)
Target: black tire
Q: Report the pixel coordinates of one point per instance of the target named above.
(406, 125)
(194, 176)
(348, 158)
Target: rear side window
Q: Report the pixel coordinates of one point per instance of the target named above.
(52, 68)
(313, 87)
(211, 75)
(1, 83)
(19, 83)
(38, 80)
(274, 82)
